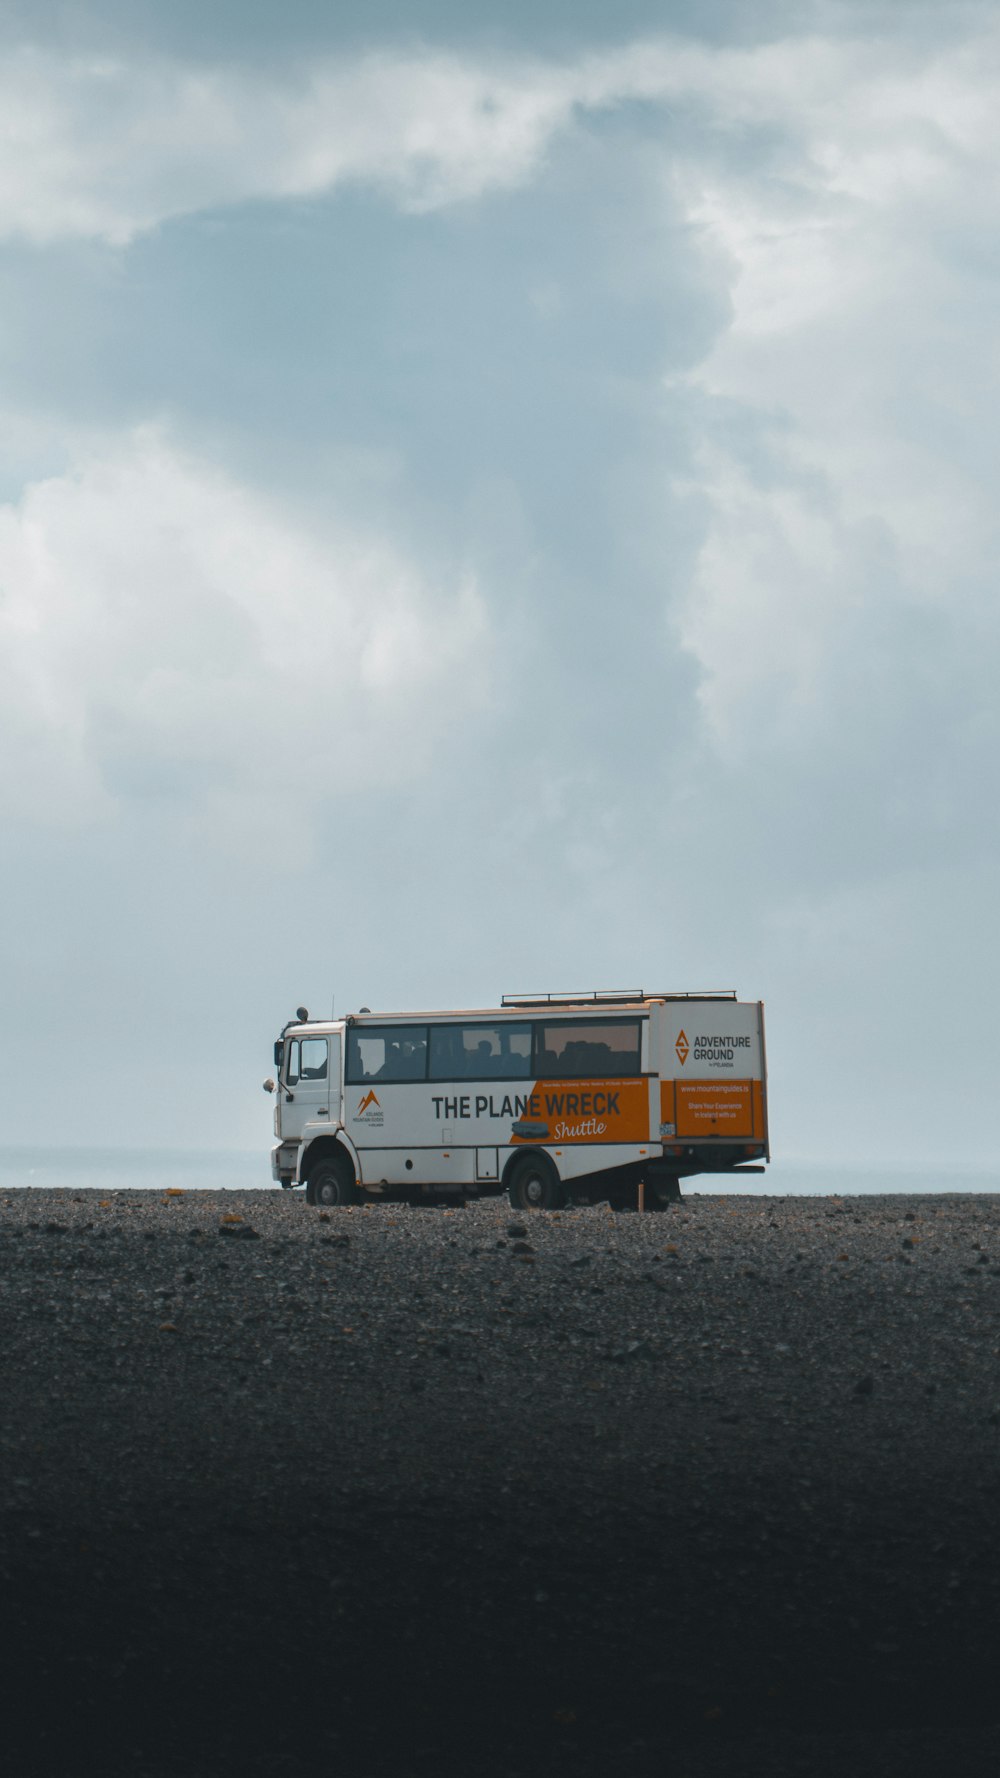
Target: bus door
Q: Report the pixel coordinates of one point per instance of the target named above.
(310, 1087)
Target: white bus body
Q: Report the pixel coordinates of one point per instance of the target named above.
(548, 1097)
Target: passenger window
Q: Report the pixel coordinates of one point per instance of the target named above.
(389, 1053)
(585, 1051)
(369, 1056)
(480, 1052)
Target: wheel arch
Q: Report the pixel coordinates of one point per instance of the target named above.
(327, 1148)
(519, 1154)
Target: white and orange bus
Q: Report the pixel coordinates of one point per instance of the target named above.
(551, 1097)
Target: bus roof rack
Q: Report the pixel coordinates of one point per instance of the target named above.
(611, 997)
(591, 994)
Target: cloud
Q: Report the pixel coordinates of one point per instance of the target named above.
(841, 612)
(173, 637)
(838, 421)
(110, 148)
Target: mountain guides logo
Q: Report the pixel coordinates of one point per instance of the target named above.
(682, 1047)
(369, 1111)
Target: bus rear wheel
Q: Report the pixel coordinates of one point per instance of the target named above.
(331, 1183)
(534, 1185)
(662, 1189)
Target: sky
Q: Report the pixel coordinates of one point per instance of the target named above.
(494, 500)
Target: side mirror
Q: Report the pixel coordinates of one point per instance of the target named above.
(269, 1086)
(279, 1051)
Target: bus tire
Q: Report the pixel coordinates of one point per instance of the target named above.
(663, 1191)
(331, 1183)
(533, 1184)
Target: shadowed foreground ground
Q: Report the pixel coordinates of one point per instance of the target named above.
(707, 1492)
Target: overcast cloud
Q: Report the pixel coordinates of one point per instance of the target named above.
(491, 509)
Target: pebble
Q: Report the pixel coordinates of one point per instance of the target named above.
(433, 1415)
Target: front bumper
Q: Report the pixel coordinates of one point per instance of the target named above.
(283, 1158)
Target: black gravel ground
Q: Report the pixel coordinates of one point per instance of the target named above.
(708, 1492)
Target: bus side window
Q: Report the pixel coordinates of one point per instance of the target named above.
(446, 1052)
(395, 1065)
(480, 1052)
(390, 1053)
(587, 1049)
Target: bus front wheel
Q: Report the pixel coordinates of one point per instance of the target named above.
(534, 1185)
(332, 1183)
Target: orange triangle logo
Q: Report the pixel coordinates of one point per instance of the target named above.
(682, 1047)
(367, 1102)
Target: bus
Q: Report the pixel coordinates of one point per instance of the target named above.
(552, 1098)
